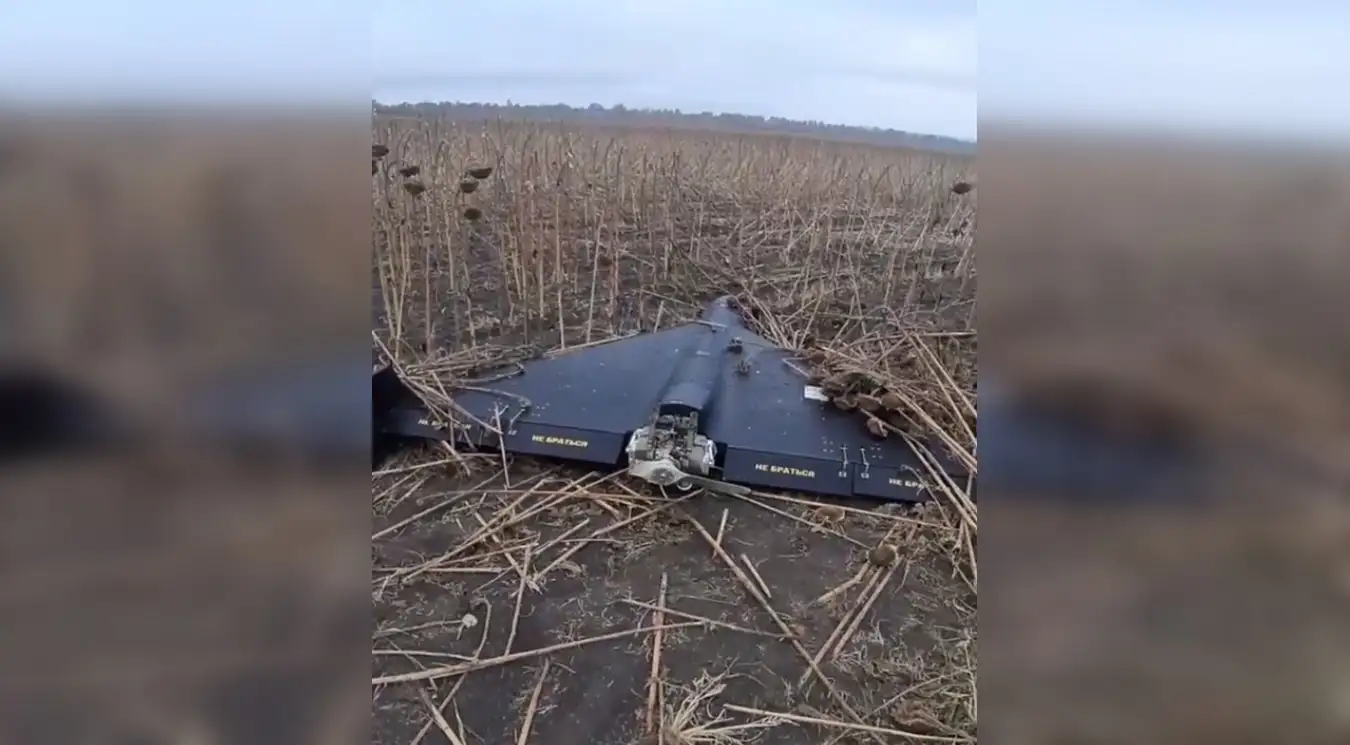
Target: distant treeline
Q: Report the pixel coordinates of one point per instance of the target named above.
(623, 116)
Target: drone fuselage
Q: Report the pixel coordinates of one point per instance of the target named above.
(672, 447)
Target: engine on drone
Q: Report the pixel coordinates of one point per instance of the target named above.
(670, 449)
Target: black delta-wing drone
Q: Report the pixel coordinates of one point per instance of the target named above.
(708, 404)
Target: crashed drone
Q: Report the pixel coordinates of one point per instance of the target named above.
(708, 404)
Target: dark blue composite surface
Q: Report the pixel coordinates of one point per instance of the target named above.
(755, 403)
(584, 404)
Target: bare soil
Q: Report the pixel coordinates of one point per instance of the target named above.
(524, 601)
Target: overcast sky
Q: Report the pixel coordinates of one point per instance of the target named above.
(1247, 66)
(908, 64)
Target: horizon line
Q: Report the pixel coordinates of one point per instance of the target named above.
(680, 112)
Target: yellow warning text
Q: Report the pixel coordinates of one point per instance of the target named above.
(567, 442)
(785, 471)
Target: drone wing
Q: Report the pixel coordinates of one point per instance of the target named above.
(577, 405)
(311, 407)
(775, 429)
(779, 431)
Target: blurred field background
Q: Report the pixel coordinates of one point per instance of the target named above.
(1213, 276)
(173, 237)
(1172, 290)
(169, 594)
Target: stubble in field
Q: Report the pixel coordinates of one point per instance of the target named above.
(527, 602)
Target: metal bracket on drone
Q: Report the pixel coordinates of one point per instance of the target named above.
(669, 452)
